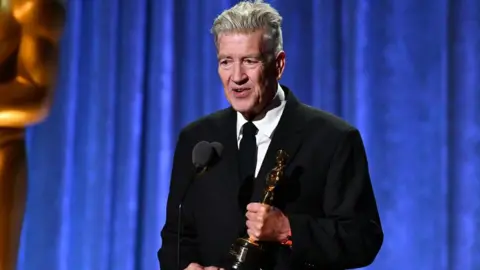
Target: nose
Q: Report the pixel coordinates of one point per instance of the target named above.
(238, 75)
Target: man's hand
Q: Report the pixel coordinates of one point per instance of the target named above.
(266, 223)
(196, 266)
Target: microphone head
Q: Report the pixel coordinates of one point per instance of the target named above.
(202, 154)
(218, 147)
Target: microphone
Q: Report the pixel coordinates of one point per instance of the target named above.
(204, 154)
(218, 147)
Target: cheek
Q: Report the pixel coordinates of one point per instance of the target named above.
(223, 76)
(257, 81)
(259, 92)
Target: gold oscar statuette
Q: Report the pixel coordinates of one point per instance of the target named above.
(30, 31)
(246, 253)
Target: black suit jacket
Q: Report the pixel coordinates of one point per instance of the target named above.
(326, 194)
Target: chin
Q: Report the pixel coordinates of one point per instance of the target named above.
(246, 111)
(244, 106)
(242, 109)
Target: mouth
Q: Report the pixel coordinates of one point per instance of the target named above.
(239, 90)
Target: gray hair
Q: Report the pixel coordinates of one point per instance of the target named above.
(248, 16)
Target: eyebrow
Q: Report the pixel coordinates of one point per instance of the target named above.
(221, 56)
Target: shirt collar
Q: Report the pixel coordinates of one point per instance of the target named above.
(268, 121)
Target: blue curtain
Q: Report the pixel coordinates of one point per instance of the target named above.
(405, 72)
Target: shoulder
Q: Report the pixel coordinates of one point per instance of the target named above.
(315, 119)
(323, 121)
(328, 131)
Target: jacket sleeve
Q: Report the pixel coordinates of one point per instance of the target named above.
(182, 174)
(350, 234)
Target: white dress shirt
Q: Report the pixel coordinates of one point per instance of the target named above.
(266, 124)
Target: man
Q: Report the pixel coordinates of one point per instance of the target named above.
(324, 216)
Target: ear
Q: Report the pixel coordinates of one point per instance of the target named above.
(280, 64)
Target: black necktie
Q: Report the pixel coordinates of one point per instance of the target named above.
(247, 163)
(248, 151)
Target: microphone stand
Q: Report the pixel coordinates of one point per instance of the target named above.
(180, 207)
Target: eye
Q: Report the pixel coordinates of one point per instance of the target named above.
(224, 62)
(250, 61)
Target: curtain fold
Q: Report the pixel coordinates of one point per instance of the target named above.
(464, 133)
(133, 73)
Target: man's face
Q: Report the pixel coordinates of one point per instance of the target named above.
(249, 81)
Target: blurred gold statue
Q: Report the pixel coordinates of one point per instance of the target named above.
(29, 35)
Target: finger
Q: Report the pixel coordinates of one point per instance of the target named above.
(258, 226)
(254, 227)
(250, 215)
(253, 234)
(251, 224)
(254, 207)
(258, 217)
(194, 266)
(264, 209)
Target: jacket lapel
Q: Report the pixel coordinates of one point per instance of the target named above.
(287, 136)
(228, 128)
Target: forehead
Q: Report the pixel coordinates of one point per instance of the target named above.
(232, 44)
